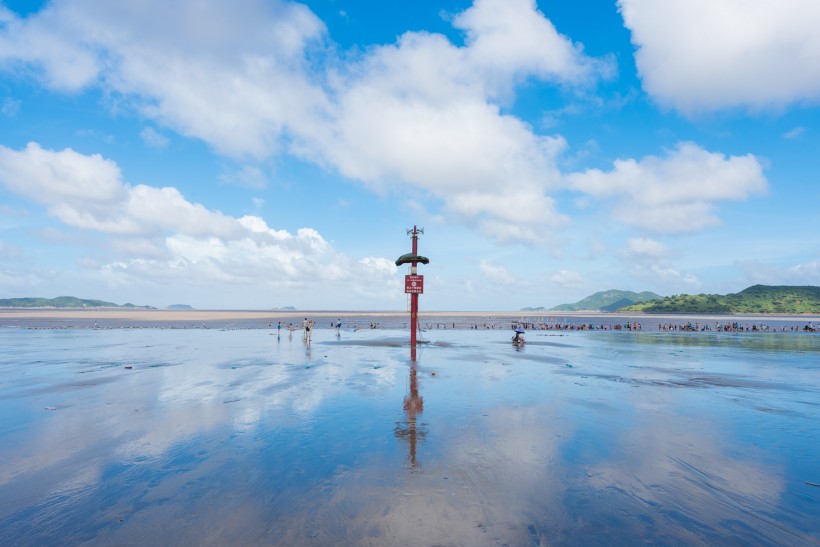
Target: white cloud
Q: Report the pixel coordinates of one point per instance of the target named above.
(805, 273)
(87, 192)
(50, 44)
(567, 278)
(701, 55)
(676, 193)
(65, 177)
(795, 133)
(482, 165)
(496, 274)
(648, 259)
(421, 115)
(641, 249)
(234, 76)
(160, 235)
(154, 138)
(424, 112)
(671, 277)
(511, 39)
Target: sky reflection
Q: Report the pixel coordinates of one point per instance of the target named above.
(240, 437)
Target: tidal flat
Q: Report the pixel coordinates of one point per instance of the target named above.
(208, 436)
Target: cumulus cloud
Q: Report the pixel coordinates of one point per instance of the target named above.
(233, 76)
(88, 192)
(419, 116)
(512, 39)
(60, 177)
(49, 45)
(422, 118)
(642, 249)
(163, 236)
(676, 193)
(426, 112)
(484, 167)
(702, 55)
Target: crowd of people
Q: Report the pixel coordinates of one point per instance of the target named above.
(735, 327)
(563, 326)
(688, 326)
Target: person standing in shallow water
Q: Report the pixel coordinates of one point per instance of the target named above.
(308, 329)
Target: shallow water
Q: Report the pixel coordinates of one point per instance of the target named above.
(238, 437)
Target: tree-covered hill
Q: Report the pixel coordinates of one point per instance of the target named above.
(60, 302)
(755, 299)
(607, 301)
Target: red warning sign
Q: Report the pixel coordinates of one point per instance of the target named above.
(414, 284)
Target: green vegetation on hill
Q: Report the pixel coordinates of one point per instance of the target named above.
(60, 302)
(755, 299)
(610, 300)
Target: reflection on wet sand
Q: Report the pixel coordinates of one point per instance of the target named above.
(409, 430)
(242, 438)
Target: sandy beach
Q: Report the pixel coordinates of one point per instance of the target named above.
(207, 315)
(294, 315)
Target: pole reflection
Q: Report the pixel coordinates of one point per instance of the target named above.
(410, 430)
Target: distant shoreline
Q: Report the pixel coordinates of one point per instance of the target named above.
(104, 314)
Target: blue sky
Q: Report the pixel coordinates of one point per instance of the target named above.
(263, 153)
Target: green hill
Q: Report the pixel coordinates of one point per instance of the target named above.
(755, 299)
(610, 300)
(61, 302)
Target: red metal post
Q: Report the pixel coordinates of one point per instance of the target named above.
(414, 297)
(413, 284)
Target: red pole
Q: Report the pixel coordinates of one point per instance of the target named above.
(414, 298)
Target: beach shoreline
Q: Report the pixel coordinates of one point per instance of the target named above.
(182, 316)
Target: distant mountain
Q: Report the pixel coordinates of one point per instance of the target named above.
(179, 307)
(755, 299)
(62, 302)
(610, 300)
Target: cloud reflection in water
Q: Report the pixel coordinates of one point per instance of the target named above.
(240, 438)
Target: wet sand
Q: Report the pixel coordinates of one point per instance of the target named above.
(242, 437)
(206, 315)
(41, 317)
